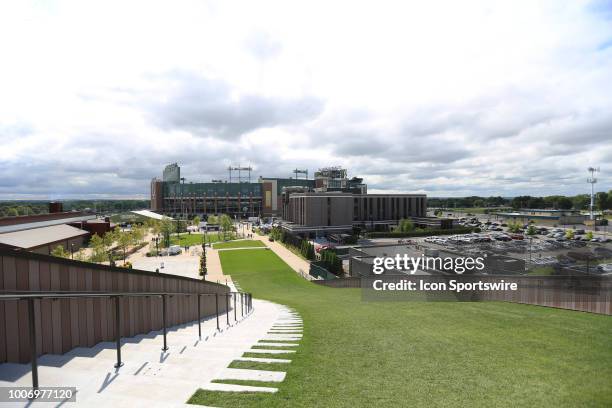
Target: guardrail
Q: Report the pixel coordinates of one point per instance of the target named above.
(246, 306)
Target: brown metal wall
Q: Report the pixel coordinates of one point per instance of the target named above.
(601, 304)
(67, 323)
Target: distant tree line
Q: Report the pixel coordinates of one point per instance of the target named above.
(603, 201)
(15, 208)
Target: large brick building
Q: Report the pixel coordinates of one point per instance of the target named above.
(330, 202)
(314, 212)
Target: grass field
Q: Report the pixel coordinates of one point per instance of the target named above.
(243, 243)
(398, 354)
(195, 239)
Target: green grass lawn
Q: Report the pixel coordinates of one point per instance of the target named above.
(195, 239)
(243, 243)
(397, 354)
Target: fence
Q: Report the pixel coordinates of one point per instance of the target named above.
(534, 291)
(63, 323)
(318, 270)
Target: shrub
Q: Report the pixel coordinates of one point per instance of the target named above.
(423, 232)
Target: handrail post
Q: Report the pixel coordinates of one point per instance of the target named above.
(227, 307)
(217, 308)
(165, 348)
(242, 304)
(235, 318)
(33, 343)
(199, 317)
(118, 330)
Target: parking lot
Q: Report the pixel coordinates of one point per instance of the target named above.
(548, 247)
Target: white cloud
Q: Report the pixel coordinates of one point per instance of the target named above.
(450, 98)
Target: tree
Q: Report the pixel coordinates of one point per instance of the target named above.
(514, 227)
(196, 221)
(203, 269)
(123, 242)
(60, 252)
(531, 230)
(226, 224)
(569, 234)
(165, 228)
(98, 253)
(589, 235)
(602, 201)
(438, 212)
(137, 235)
(405, 225)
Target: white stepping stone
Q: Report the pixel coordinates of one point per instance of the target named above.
(236, 388)
(263, 360)
(251, 375)
(277, 344)
(266, 351)
(288, 337)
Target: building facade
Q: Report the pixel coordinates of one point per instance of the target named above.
(315, 212)
(330, 202)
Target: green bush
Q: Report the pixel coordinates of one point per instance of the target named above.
(422, 233)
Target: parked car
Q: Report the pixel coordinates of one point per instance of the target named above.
(174, 250)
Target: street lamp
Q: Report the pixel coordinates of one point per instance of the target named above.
(72, 250)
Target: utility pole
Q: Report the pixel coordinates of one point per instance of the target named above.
(592, 180)
(182, 197)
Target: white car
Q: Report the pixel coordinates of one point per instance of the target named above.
(174, 250)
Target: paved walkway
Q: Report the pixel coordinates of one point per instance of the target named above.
(153, 378)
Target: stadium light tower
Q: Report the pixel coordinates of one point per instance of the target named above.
(592, 180)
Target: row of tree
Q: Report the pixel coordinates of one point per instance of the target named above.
(102, 248)
(603, 201)
(16, 208)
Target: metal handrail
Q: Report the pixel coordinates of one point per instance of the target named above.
(30, 296)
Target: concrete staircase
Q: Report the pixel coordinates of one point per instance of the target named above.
(151, 377)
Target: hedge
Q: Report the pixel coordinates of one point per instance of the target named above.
(421, 233)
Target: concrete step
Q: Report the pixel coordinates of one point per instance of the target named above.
(263, 360)
(252, 375)
(267, 351)
(236, 388)
(266, 344)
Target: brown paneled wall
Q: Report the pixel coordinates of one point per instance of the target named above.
(67, 323)
(600, 303)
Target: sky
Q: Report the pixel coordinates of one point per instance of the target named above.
(446, 98)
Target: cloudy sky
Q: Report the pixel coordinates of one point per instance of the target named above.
(448, 98)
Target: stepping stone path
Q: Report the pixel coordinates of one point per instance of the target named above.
(288, 326)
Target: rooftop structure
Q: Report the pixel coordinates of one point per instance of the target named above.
(43, 240)
(555, 216)
(24, 222)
